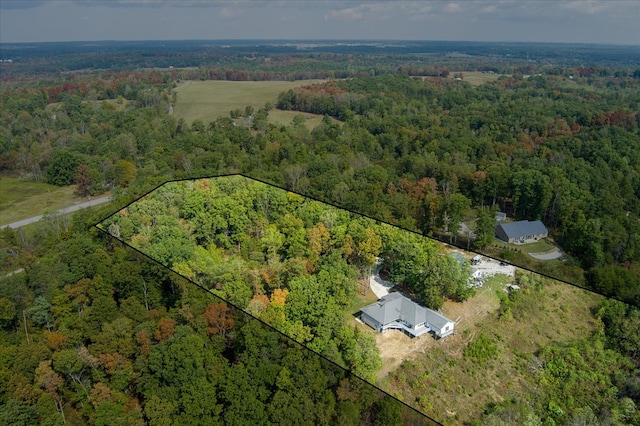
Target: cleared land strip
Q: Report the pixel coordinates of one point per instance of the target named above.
(69, 209)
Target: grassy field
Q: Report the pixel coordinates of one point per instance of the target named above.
(285, 117)
(476, 78)
(20, 200)
(208, 100)
(455, 388)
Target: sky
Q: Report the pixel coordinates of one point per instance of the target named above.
(575, 21)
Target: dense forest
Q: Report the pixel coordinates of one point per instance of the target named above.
(292, 262)
(91, 332)
(422, 153)
(538, 148)
(96, 333)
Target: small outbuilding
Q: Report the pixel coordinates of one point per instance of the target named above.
(396, 311)
(459, 257)
(521, 232)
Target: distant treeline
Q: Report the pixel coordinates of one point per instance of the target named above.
(284, 60)
(421, 152)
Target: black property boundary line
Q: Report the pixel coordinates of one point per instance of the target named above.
(215, 296)
(335, 206)
(426, 236)
(368, 217)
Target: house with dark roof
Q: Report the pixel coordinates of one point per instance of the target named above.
(521, 232)
(396, 311)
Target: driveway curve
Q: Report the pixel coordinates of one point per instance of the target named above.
(379, 286)
(547, 255)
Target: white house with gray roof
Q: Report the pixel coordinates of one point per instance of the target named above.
(521, 232)
(396, 311)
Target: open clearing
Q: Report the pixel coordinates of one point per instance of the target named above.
(454, 388)
(277, 116)
(476, 78)
(116, 104)
(397, 347)
(21, 199)
(209, 100)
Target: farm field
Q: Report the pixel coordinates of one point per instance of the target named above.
(208, 100)
(21, 199)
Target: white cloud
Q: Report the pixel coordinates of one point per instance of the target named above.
(590, 7)
(415, 8)
(373, 10)
(489, 9)
(453, 7)
(599, 21)
(230, 13)
(416, 11)
(348, 14)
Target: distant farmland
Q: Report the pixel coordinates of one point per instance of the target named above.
(208, 100)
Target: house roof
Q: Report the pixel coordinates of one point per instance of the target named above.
(395, 306)
(523, 228)
(435, 319)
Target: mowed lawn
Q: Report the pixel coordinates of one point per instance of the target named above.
(21, 199)
(208, 100)
(540, 246)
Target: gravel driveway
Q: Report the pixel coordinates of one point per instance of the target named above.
(379, 286)
(547, 255)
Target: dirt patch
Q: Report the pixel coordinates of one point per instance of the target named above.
(472, 312)
(466, 385)
(396, 346)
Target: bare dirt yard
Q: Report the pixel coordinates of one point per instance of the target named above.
(396, 346)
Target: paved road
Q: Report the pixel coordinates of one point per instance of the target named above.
(73, 208)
